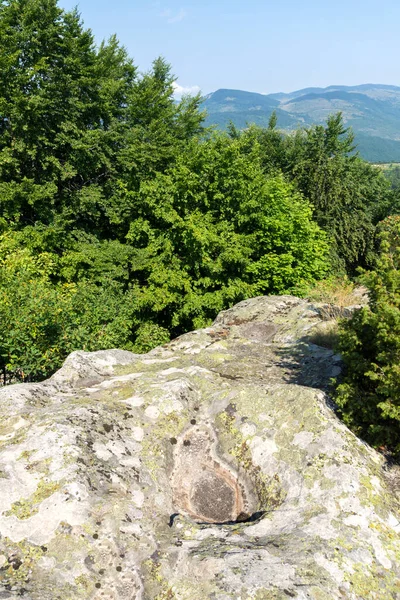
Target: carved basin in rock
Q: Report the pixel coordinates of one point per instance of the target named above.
(203, 486)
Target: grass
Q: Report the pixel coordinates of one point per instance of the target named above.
(338, 291)
(335, 293)
(325, 335)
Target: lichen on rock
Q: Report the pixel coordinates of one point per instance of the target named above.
(213, 467)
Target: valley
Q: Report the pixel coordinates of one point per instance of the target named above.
(372, 110)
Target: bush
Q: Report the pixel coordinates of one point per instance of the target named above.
(41, 322)
(369, 395)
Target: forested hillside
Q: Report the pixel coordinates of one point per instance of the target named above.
(373, 111)
(125, 222)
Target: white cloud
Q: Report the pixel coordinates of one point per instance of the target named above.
(172, 17)
(180, 90)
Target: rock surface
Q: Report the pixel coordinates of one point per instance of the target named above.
(213, 467)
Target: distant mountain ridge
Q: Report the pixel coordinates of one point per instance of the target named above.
(372, 110)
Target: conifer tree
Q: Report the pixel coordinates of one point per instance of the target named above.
(369, 395)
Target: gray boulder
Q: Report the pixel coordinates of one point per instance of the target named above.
(213, 467)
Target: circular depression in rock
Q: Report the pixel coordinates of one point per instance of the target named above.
(213, 499)
(204, 486)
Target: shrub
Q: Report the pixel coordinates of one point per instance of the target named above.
(369, 395)
(41, 322)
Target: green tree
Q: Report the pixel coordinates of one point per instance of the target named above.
(369, 395)
(272, 146)
(212, 230)
(122, 220)
(61, 105)
(41, 321)
(158, 130)
(349, 196)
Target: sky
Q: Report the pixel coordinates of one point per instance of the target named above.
(260, 46)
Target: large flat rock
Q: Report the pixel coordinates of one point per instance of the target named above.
(212, 467)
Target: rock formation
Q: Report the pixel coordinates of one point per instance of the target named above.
(213, 467)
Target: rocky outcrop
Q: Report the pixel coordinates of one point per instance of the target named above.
(212, 467)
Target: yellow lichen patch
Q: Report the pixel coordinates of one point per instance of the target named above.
(11, 425)
(389, 538)
(26, 455)
(314, 473)
(269, 490)
(374, 582)
(313, 511)
(384, 529)
(370, 496)
(27, 556)
(318, 593)
(84, 584)
(40, 466)
(26, 508)
(153, 445)
(341, 543)
(267, 595)
(157, 586)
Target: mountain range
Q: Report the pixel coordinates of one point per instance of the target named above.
(372, 110)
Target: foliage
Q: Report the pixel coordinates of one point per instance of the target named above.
(349, 196)
(345, 191)
(149, 335)
(41, 322)
(62, 107)
(273, 147)
(213, 230)
(393, 175)
(368, 396)
(123, 221)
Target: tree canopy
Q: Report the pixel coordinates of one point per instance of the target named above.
(124, 222)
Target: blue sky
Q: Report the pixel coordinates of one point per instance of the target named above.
(260, 46)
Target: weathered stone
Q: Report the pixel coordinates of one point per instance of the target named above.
(213, 467)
